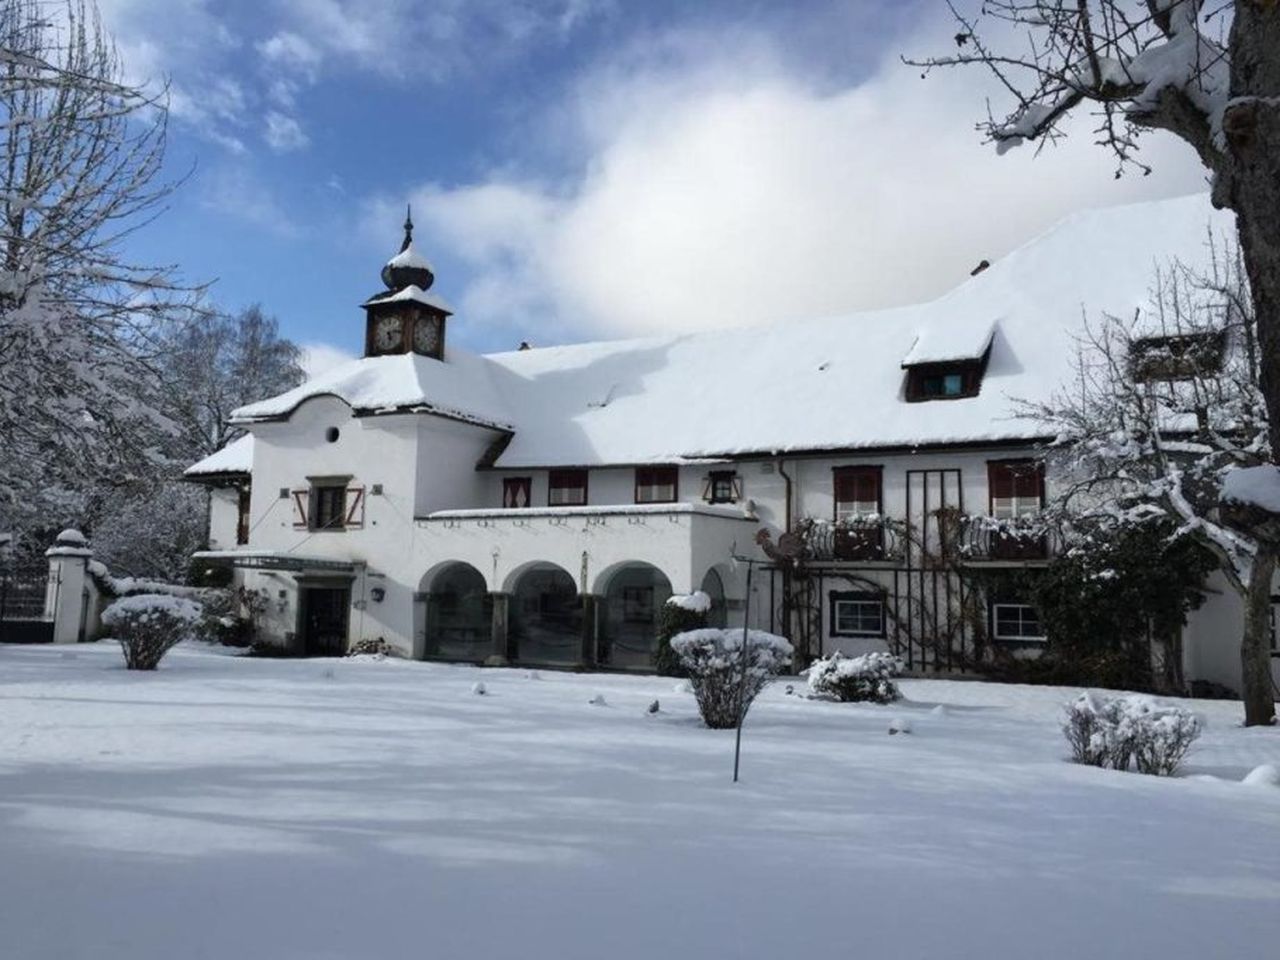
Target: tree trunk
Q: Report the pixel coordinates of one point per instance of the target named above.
(1255, 648)
(1252, 128)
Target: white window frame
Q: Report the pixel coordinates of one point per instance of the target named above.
(1020, 638)
(1015, 508)
(837, 603)
(856, 509)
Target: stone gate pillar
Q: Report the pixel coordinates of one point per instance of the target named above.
(67, 597)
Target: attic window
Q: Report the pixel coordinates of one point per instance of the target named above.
(1177, 357)
(944, 381)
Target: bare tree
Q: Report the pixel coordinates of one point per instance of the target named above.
(1209, 73)
(217, 363)
(1164, 407)
(80, 158)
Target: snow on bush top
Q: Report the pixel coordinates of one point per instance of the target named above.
(145, 606)
(716, 648)
(696, 602)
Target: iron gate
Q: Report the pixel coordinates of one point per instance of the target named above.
(23, 590)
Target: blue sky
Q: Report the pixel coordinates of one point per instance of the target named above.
(587, 168)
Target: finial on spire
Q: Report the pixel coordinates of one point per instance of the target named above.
(408, 228)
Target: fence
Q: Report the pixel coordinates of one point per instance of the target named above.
(25, 613)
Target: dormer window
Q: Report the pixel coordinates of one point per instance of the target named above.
(944, 381)
(1178, 357)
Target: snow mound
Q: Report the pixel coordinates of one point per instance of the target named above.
(899, 725)
(598, 701)
(478, 689)
(1264, 775)
(696, 602)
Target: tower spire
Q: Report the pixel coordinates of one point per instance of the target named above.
(408, 228)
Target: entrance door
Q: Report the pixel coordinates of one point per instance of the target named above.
(324, 620)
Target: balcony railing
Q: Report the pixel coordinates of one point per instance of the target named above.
(860, 539)
(1010, 541)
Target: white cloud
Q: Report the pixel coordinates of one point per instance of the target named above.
(319, 357)
(283, 133)
(727, 191)
(233, 190)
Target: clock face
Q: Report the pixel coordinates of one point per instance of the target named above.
(387, 334)
(426, 335)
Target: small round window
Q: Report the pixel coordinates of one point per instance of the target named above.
(331, 434)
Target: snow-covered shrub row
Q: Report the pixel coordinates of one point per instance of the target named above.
(856, 679)
(1131, 729)
(148, 625)
(713, 659)
(372, 648)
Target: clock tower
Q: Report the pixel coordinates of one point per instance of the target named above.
(406, 317)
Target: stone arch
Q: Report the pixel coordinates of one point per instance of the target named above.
(545, 615)
(713, 586)
(458, 613)
(631, 598)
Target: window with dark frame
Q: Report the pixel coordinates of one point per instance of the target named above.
(242, 516)
(858, 501)
(857, 613)
(328, 506)
(656, 484)
(945, 381)
(722, 486)
(1016, 621)
(517, 492)
(567, 488)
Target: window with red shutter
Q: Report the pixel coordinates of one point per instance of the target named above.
(857, 492)
(656, 484)
(567, 488)
(1016, 488)
(517, 492)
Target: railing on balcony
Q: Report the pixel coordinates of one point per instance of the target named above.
(1011, 541)
(861, 539)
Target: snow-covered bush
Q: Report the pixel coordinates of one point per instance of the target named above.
(372, 648)
(713, 659)
(148, 625)
(855, 679)
(1117, 731)
(681, 612)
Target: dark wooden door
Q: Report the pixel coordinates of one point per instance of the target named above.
(324, 621)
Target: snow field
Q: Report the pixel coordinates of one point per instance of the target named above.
(363, 808)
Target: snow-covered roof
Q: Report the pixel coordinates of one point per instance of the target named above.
(838, 383)
(235, 457)
(827, 384)
(950, 342)
(459, 387)
(412, 292)
(409, 257)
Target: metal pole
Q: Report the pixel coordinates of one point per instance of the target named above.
(742, 680)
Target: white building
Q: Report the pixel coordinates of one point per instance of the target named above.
(539, 505)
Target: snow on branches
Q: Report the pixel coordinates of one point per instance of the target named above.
(1157, 64)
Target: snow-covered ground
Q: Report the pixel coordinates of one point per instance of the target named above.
(234, 808)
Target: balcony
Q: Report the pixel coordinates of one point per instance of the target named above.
(853, 540)
(988, 540)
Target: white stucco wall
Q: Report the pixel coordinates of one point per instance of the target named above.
(223, 515)
(1211, 640)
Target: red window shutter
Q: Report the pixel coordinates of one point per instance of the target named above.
(355, 507)
(1000, 479)
(300, 508)
(860, 484)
